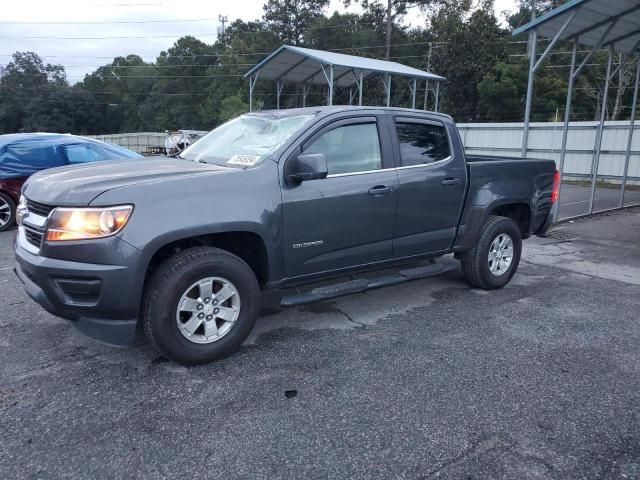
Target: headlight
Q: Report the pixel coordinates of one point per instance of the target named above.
(21, 209)
(83, 223)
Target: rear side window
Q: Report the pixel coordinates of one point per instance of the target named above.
(81, 153)
(349, 149)
(422, 143)
(107, 153)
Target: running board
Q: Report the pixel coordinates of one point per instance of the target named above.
(363, 284)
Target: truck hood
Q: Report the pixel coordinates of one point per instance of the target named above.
(78, 185)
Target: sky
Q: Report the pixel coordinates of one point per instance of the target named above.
(84, 34)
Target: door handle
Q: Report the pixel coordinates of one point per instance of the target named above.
(450, 181)
(380, 190)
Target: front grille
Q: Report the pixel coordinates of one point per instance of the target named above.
(33, 236)
(39, 208)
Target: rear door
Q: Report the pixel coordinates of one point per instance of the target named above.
(346, 219)
(431, 183)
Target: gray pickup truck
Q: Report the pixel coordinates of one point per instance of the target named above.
(181, 248)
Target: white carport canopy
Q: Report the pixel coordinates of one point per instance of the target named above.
(306, 66)
(611, 24)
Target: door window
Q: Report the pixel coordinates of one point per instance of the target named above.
(422, 143)
(349, 149)
(81, 153)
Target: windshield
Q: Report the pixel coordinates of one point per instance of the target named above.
(245, 140)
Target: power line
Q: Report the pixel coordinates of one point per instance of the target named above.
(114, 22)
(111, 67)
(177, 65)
(207, 34)
(169, 94)
(126, 4)
(114, 37)
(436, 44)
(135, 76)
(32, 99)
(171, 56)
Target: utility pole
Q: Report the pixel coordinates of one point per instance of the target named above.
(223, 19)
(533, 17)
(533, 9)
(389, 26)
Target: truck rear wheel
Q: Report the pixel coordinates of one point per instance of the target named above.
(201, 304)
(496, 256)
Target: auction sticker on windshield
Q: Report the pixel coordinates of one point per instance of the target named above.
(247, 160)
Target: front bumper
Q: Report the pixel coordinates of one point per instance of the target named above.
(102, 301)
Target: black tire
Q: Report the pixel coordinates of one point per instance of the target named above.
(168, 284)
(475, 264)
(7, 200)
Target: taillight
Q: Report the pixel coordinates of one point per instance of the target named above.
(556, 186)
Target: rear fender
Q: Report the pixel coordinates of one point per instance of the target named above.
(475, 218)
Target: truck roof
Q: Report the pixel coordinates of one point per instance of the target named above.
(325, 110)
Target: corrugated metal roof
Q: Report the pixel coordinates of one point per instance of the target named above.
(591, 22)
(297, 65)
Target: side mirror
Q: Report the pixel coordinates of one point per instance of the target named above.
(305, 167)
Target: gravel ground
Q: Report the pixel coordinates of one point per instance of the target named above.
(430, 379)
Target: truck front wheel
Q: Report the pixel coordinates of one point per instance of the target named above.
(496, 256)
(200, 305)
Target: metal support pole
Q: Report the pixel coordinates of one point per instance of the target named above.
(279, 87)
(596, 47)
(330, 85)
(329, 79)
(358, 82)
(305, 92)
(426, 95)
(533, 36)
(624, 60)
(387, 83)
(565, 127)
(350, 95)
(413, 93)
(598, 145)
(629, 140)
(437, 96)
(252, 86)
(426, 87)
(556, 38)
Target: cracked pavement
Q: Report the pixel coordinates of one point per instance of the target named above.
(429, 379)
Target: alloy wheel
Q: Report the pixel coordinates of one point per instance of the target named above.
(207, 310)
(500, 254)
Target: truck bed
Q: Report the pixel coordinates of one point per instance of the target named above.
(498, 158)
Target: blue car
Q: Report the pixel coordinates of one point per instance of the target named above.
(23, 154)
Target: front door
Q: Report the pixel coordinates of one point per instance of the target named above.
(346, 219)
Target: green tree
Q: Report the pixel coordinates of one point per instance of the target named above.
(471, 46)
(35, 96)
(231, 107)
(121, 87)
(291, 19)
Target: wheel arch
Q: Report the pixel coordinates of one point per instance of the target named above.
(248, 245)
(519, 210)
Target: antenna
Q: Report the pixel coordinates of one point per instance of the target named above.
(222, 19)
